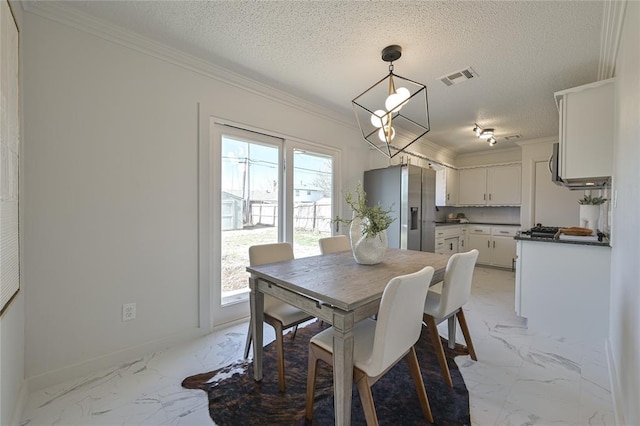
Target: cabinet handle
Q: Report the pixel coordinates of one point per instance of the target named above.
(451, 246)
(489, 196)
(448, 197)
(484, 197)
(504, 232)
(488, 244)
(494, 244)
(337, 222)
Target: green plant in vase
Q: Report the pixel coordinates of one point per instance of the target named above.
(588, 200)
(374, 219)
(368, 228)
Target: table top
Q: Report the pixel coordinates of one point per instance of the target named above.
(337, 279)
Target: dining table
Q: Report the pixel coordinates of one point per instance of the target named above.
(338, 290)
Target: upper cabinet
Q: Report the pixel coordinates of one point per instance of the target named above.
(473, 187)
(504, 185)
(586, 131)
(447, 186)
(491, 186)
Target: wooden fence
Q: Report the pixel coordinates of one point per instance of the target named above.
(307, 216)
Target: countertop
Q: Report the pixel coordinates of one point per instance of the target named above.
(604, 243)
(445, 223)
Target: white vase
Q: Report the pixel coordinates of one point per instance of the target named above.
(589, 215)
(367, 250)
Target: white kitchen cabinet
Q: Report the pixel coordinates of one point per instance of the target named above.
(473, 187)
(448, 239)
(503, 246)
(495, 244)
(504, 186)
(462, 244)
(563, 289)
(586, 130)
(491, 186)
(447, 186)
(479, 238)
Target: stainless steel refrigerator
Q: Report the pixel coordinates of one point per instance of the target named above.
(411, 193)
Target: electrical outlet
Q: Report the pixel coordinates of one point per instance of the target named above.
(128, 311)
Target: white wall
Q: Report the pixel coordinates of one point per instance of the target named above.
(12, 338)
(111, 172)
(625, 267)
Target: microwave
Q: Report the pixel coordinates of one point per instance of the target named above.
(573, 184)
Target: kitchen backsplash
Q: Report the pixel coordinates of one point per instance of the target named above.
(482, 214)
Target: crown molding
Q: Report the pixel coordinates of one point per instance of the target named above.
(610, 37)
(84, 22)
(548, 139)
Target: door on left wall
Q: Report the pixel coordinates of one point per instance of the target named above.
(269, 190)
(251, 207)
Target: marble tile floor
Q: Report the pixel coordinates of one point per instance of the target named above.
(521, 378)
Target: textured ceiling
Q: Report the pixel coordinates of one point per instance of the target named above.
(329, 52)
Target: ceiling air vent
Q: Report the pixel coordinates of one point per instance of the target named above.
(459, 76)
(512, 137)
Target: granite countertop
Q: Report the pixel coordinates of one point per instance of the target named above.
(604, 243)
(442, 222)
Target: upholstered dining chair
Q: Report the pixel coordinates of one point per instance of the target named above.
(277, 314)
(334, 244)
(379, 345)
(456, 290)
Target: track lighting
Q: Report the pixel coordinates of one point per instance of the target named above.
(485, 134)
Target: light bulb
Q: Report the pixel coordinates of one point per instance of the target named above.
(486, 134)
(379, 118)
(492, 141)
(393, 103)
(382, 134)
(404, 94)
(396, 100)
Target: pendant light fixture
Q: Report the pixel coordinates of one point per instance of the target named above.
(394, 112)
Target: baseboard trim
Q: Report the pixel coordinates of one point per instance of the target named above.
(90, 366)
(614, 383)
(16, 416)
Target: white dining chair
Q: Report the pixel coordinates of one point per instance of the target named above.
(334, 244)
(456, 290)
(277, 314)
(379, 345)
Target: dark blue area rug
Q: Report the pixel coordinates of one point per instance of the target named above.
(236, 399)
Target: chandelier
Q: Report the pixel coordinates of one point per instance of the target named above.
(394, 112)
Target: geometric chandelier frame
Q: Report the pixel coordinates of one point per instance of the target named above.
(394, 112)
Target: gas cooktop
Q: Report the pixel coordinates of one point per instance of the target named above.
(540, 231)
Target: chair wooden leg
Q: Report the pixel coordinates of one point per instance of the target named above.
(295, 330)
(280, 351)
(414, 367)
(364, 390)
(247, 345)
(465, 332)
(437, 344)
(311, 381)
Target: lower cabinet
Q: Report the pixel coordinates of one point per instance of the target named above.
(448, 239)
(495, 244)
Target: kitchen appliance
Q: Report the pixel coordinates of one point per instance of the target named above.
(411, 192)
(573, 184)
(540, 231)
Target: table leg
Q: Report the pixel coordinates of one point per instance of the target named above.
(342, 367)
(452, 332)
(256, 299)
